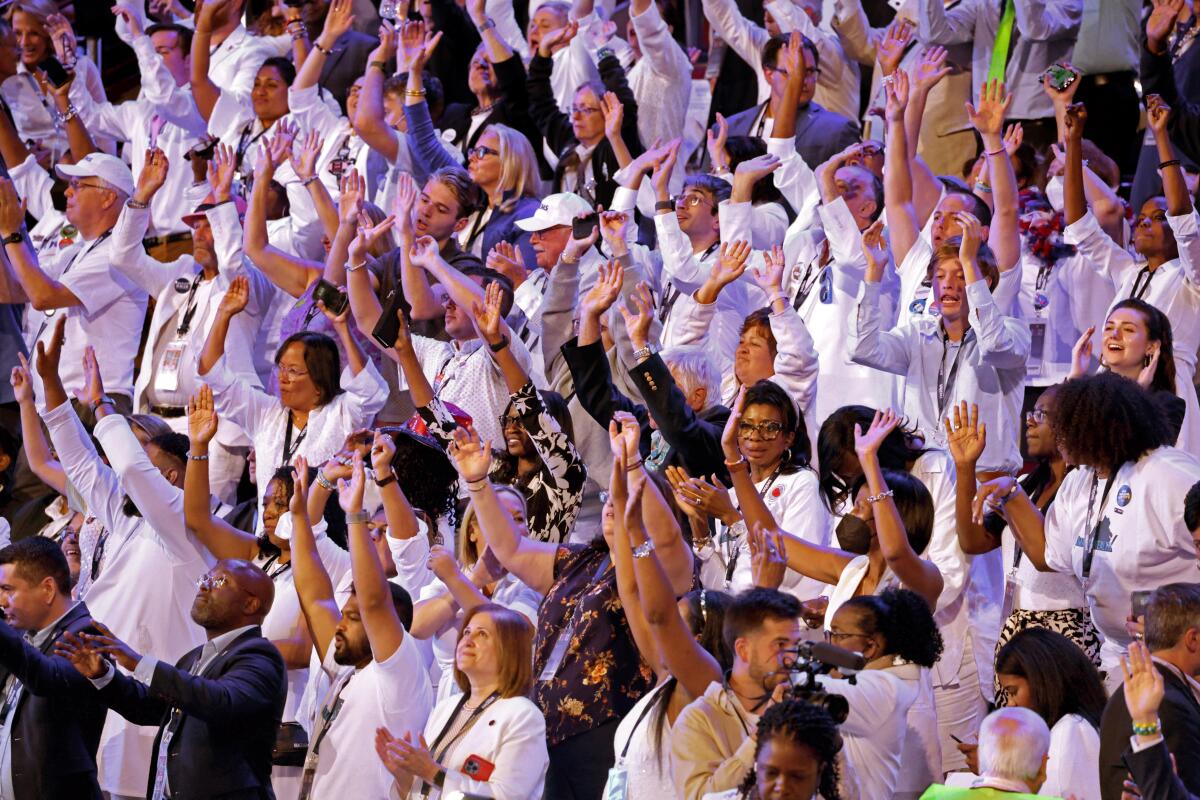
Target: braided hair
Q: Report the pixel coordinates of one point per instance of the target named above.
(806, 724)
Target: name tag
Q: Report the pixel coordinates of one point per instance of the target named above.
(166, 377)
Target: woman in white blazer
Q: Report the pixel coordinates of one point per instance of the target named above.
(490, 741)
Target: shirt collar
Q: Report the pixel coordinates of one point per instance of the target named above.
(1003, 784)
(38, 639)
(219, 643)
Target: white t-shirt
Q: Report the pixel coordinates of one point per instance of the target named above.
(1074, 765)
(1142, 542)
(649, 767)
(392, 694)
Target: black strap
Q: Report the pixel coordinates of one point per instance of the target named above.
(946, 381)
(1089, 544)
(185, 322)
(637, 723)
(475, 714)
(1140, 289)
(289, 450)
(807, 283)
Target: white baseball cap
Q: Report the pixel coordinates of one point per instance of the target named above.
(109, 169)
(556, 209)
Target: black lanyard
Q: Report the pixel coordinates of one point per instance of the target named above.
(1093, 537)
(1139, 290)
(279, 568)
(671, 293)
(638, 722)
(289, 450)
(185, 321)
(946, 381)
(244, 145)
(737, 550)
(439, 754)
(98, 553)
(806, 282)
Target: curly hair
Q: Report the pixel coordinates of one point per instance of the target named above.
(1107, 420)
(835, 441)
(905, 621)
(772, 394)
(806, 724)
(1062, 679)
(424, 472)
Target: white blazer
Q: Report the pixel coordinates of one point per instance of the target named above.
(510, 734)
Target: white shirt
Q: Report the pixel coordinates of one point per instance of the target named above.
(151, 616)
(1035, 590)
(34, 113)
(661, 80)
(1074, 765)
(392, 694)
(1142, 542)
(110, 314)
(234, 63)
(510, 735)
(649, 767)
(310, 110)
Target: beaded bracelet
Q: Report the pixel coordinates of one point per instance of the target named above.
(193, 457)
(875, 498)
(1151, 729)
(1174, 162)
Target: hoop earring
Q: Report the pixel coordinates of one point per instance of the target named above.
(787, 456)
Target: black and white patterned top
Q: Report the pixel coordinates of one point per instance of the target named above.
(554, 491)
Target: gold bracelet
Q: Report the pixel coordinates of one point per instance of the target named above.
(412, 93)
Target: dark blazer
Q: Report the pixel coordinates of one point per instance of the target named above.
(512, 110)
(347, 64)
(231, 713)
(451, 60)
(694, 439)
(560, 136)
(1152, 772)
(1180, 717)
(57, 722)
(820, 133)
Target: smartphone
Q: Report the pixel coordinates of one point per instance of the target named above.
(203, 150)
(581, 227)
(1058, 77)
(56, 73)
(334, 298)
(387, 329)
(1137, 603)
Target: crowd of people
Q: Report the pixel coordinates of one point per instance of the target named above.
(659, 399)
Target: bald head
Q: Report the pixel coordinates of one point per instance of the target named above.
(234, 594)
(253, 581)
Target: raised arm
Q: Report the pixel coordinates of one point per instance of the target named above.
(903, 228)
(312, 582)
(402, 522)
(233, 302)
(495, 331)
(37, 449)
(290, 273)
(1074, 201)
(1024, 519)
(370, 120)
(78, 138)
(1004, 237)
(913, 571)
(967, 437)
(1179, 201)
(531, 561)
(204, 91)
(338, 20)
(218, 536)
(927, 189)
(37, 288)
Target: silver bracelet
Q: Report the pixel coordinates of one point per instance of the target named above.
(324, 482)
(357, 517)
(193, 457)
(644, 549)
(875, 498)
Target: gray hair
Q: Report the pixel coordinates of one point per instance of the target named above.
(1173, 610)
(1013, 743)
(693, 369)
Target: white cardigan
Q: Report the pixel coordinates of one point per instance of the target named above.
(511, 734)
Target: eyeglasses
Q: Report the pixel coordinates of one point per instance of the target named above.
(211, 582)
(1036, 417)
(583, 111)
(481, 152)
(810, 73)
(837, 636)
(507, 422)
(291, 373)
(693, 200)
(764, 431)
(75, 184)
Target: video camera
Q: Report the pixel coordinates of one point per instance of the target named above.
(808, 660)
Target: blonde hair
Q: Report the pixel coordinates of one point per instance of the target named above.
(518, 166)
(514, 650)
(40, 9)
(465, 551)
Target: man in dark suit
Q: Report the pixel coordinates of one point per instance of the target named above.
(344, 61)
(218, 710)
(820, 133)
(51, 719)
(1173, 637)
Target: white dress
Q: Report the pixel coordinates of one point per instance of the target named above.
(649, 767)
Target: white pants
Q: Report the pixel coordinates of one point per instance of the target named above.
(225, 464)
(960, 710)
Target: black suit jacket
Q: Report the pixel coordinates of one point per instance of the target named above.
(694, 439)
(1180, 717)
(820, 133)
(1152, 772)
(58, 719)
(512, 110)
(231, 713)
(347, 64)
(560, 136)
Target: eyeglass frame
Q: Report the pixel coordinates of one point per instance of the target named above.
(744, 428)
(77, 183)
(505, 421)
(691, 200)
(291, 372)
(583, 111)
(1036, 416)
(479, 151)
(810, 73)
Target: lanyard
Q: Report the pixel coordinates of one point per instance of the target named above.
(439, 754)
(79, 254)
(732, 546)
(671, 293)
(279, 568)
(289, 450)
(185, 321)
(807, 282)
(945, 382)
(638, 722)
(98, 553)
(244, 145)
(1093, 537)
(1139, 290)
(732, 697)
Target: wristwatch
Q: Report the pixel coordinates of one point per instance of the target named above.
(664, 205)
(381, 482)
(500, 345)
(643, 353)
(486, 25)
(16, 237)
(603, 53)
(104, 400)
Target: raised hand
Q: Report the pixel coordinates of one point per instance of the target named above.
(994, 103)
(509, 262)
(638, 314)
(1143, 684)
(729, 436)
(416, 47)
(1163, 16)
(350, 200)
(279, 146)
(967, 436)
(202, 416)
(731, 262)
(236, 297)
(625, 432)
(989, 495)
(84, 656)
(488, 319)
(93, 385)
(339, 320)
(350, 493)
(1146, 376)
(152, 176)
(338, 20)
(750, 172)
(875, 249)
(868, 444)
(304, 161)
(423, 252)
(1076, 120)
(386, 48)
(770, 277)
(896, 91)
(768, 556)
(891, 48)
(22, 384)
(972, 236)
(221, 169)
(62, 36)
(661, 177)
(402, 207)
(604, 291)
(49, 355)
(383, 450)
(12, 208)
(577, 247)
(709, 497)
(1081, 354)
(1158, 114)
(614, 226)
(442, 563)
(299, 503)
(557, 39)
(1062, 97)
(367, 237)
(1013, 137)
(209, 12)
(614, 115)
(472, 457)
(715, 141)
(931, 68)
